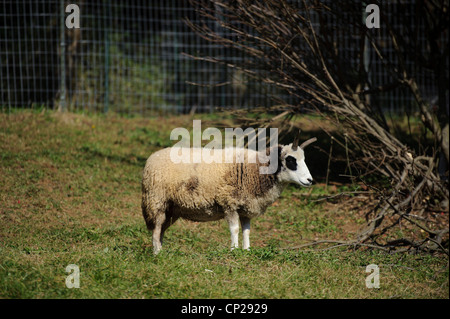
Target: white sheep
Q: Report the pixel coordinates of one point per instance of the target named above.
(211, 191)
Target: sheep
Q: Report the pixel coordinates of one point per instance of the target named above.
(204, 192)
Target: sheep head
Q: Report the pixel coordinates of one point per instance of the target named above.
(292, 163)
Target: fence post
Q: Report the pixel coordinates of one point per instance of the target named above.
(62, 62)
(107, 57)
(366, 57)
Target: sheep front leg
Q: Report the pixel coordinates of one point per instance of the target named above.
(233, 223)
(245, 224)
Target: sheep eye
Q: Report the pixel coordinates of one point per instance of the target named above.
(291, 163)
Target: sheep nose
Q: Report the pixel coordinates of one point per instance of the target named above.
(310, 180)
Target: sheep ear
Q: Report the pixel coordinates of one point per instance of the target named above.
(307, 142)
(296, 140)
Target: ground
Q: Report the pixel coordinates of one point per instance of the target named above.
(70, 194)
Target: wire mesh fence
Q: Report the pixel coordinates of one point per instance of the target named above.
(132, 57)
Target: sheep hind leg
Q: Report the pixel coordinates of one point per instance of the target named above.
(157, 231)
(170, 220)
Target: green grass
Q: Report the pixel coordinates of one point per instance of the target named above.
(70, 194)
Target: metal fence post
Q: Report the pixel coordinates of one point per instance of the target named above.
(107, 57)
(366, 56)
(62, 69)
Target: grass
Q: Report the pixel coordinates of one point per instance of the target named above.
(70, 194)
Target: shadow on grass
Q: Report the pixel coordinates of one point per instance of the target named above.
(92, 152)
